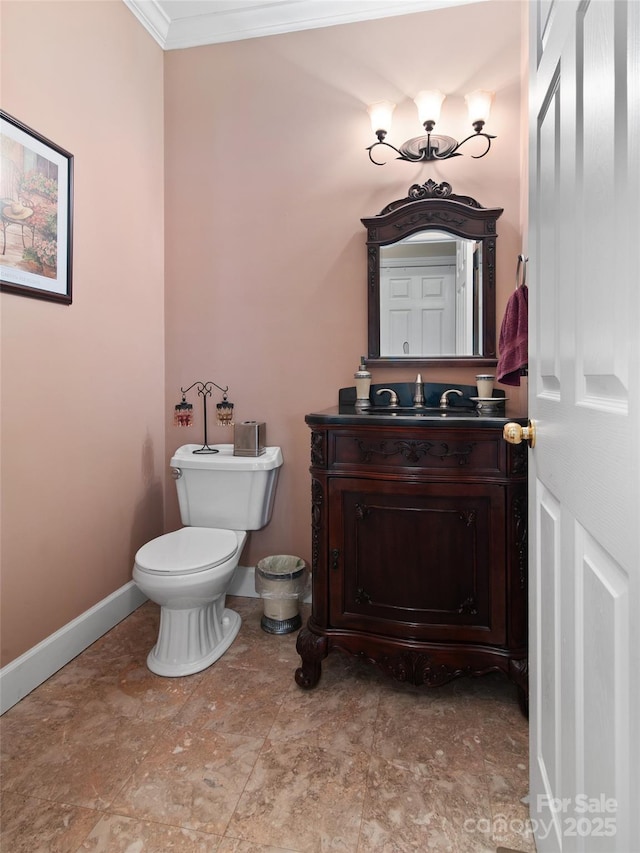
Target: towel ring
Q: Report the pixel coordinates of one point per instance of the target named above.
(522, 262)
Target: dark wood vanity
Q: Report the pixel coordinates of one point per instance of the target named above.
(419, 517)
(419, 546)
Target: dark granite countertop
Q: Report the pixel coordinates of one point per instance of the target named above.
(462, 411)
(346, 415)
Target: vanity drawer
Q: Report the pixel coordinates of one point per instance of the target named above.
(436, 451)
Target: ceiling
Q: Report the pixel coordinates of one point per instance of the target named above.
(188, 23)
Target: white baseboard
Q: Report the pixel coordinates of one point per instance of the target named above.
(25, 673)
(243, 582)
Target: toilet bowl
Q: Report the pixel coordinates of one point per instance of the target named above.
(187, 572)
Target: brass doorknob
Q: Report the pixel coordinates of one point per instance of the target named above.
(515, 433)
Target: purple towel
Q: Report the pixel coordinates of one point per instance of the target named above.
(514, 338)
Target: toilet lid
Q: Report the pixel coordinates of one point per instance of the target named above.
(189, 550)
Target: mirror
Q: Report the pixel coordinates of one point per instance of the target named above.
(431, 279)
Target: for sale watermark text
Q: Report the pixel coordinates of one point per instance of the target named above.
(581, 816)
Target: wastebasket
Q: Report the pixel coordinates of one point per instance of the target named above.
(281, 581)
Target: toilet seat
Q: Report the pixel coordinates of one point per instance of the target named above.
(187, 551)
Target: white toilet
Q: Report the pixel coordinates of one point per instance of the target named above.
(188, 572)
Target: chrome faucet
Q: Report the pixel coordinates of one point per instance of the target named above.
(444, 400)
(418, 395)
(393, 397)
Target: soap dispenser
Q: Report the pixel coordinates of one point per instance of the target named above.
(363, 385)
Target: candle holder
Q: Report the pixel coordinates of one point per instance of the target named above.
(183, 413)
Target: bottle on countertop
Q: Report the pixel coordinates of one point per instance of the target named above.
(418, 394)
(363, 385)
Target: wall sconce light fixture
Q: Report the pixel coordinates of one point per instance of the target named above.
(431, 146)
(183, 412)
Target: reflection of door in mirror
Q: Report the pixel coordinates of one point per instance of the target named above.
(428, 296)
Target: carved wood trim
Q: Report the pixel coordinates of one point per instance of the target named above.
(362, 596)
(430, 189)
(363, 511)
(519, 459)
(520, 521)
(468, 607)
(419, 668)
(429, 217)
(318, 449)
(412, 451)
(519, 672)
(317, 512)
(312, 649)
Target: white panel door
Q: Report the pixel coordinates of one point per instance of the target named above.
(584, 397)
(418, 310)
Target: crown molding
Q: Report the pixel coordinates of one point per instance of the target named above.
(152, 18)
(177, 24)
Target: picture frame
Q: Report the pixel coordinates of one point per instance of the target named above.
(36, 214)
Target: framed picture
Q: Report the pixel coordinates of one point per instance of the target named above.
(36, 213)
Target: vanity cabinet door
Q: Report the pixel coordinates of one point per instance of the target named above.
(418, 561)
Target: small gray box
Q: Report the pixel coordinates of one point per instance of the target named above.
(249, 438)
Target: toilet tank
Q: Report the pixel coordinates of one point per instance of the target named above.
(223, 490)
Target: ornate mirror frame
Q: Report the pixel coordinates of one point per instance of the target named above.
(434, 207)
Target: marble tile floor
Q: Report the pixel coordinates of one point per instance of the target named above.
(105, 756)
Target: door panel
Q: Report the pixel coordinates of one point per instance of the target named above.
(547, 629)
(604, 587)
(424, 561)
(549, 278)
(584, 395)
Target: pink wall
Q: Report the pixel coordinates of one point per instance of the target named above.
(267, 179)
(83, 386)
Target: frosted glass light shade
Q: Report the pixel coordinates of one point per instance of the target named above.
(479, 105)
(380, 114)
(429, 103)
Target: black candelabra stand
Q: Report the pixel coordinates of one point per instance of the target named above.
(184, 411)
